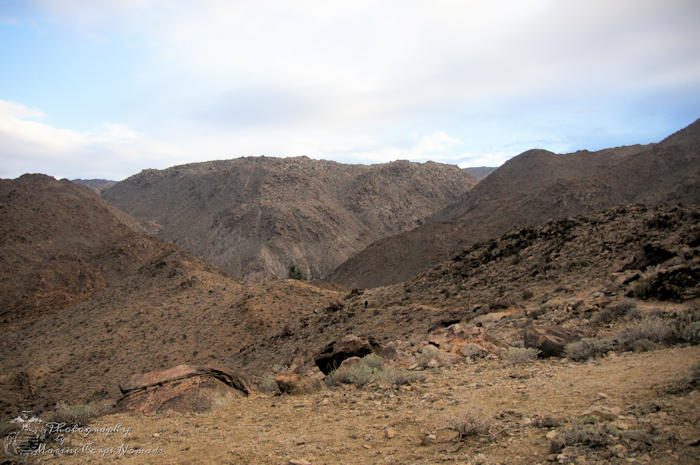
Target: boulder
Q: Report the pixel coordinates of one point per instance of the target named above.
(181, 388)
(293, 383)
(334, 353)
(455, 337)
(550, 340)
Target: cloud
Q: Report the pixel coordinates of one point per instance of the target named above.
(460, 81)
(111, 150)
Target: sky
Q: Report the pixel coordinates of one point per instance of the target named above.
(104, 89)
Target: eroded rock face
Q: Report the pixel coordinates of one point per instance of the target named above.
(182, 388)
(334, 353)
(550, 340)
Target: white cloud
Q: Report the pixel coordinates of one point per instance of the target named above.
(111, 150)
(353, 80)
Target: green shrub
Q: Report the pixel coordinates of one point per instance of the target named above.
(588, 347)
(521, 355)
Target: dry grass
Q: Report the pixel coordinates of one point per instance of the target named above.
(521, 355)
(588, 347)
(77, 415)
(371, 369)
(470, 423)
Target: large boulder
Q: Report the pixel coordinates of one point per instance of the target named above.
(550, 340)
(181, 388)
(334, 353)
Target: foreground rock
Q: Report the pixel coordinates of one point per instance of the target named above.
(334, 353)
(551, 341)
(182, 388)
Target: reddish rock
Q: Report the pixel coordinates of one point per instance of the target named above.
(184, 387)
(455, 338)
(551, 340)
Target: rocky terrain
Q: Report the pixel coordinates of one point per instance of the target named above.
(165, 308)
(526, 191)
(88, 301)
(260, 218)
(573, 340)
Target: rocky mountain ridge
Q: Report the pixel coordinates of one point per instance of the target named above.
(529, 189)
(259, 217)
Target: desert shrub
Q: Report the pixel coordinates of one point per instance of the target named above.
(521, 355)
(588, 347)
(614, 312)
(371, 369)
(652, 329)
(359, 375)
(296, 273)
(268, 384)
(79, 414)
(373, 361)
(593, 435)
(399, 376)
(690, 332)
(692, 379)
(470, 423)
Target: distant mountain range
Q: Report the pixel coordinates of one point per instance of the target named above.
(261, 218)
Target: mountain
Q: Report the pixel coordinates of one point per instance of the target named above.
(259, 218)
(480, 172)
(60, 244)
(98, 185)
(87, 300)
(529, 189)
(112, 302)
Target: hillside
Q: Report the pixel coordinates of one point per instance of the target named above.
(158, 307)
(174, 309)
(258, 217)
(87, 300)
(60, 244)
(529, 189)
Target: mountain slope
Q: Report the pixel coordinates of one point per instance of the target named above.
(529, 189)
(257, 217)
(160, 307)
(87, 301)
